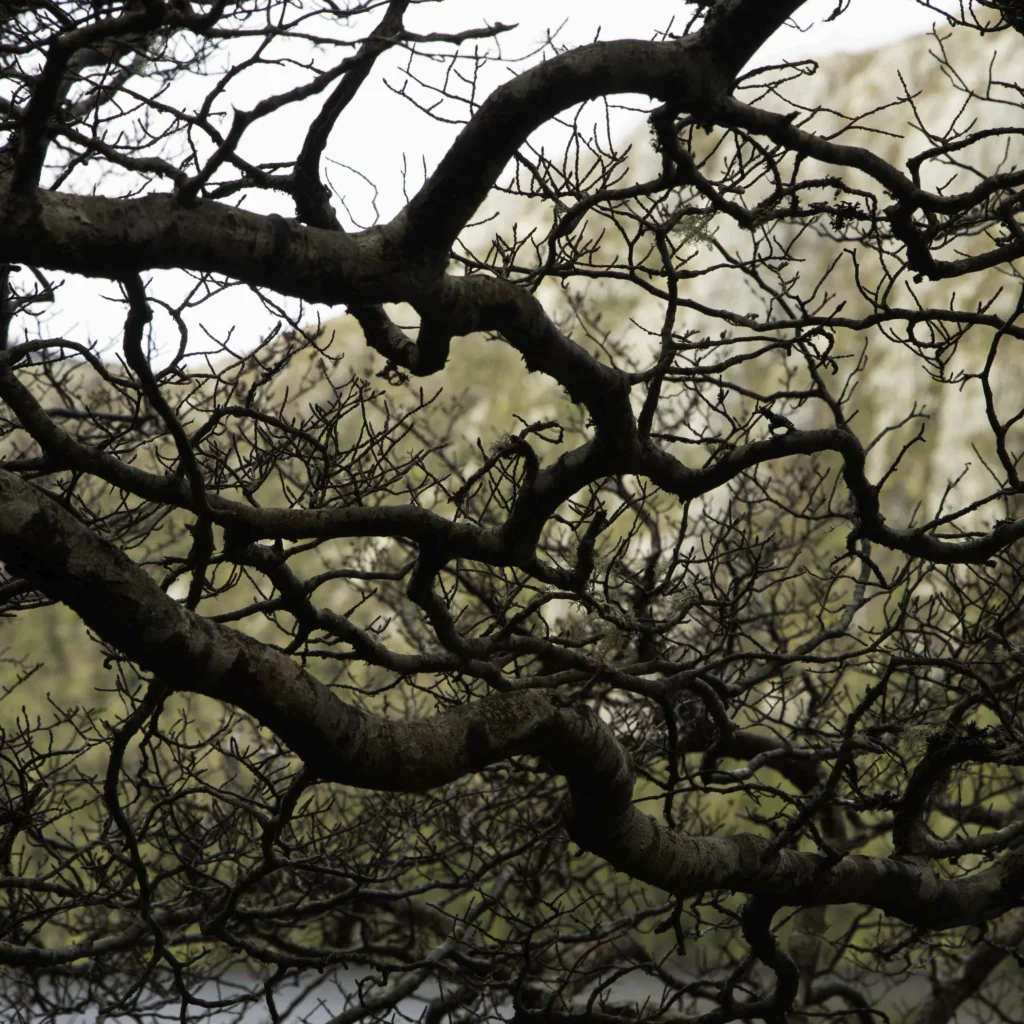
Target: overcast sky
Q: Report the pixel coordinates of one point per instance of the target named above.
(380, 128)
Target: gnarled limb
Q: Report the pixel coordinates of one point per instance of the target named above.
(344, 744)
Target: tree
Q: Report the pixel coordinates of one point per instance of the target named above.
(677, 684)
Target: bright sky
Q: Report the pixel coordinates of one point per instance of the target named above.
(380, 129)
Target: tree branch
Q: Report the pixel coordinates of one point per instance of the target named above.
(46, 545)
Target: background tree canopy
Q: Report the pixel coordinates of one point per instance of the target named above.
(616, 615)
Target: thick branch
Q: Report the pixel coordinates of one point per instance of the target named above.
(99, 237)
(43, 542)
(110, 237)
(693, 74)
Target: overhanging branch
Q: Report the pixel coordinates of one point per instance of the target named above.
(48, 546)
